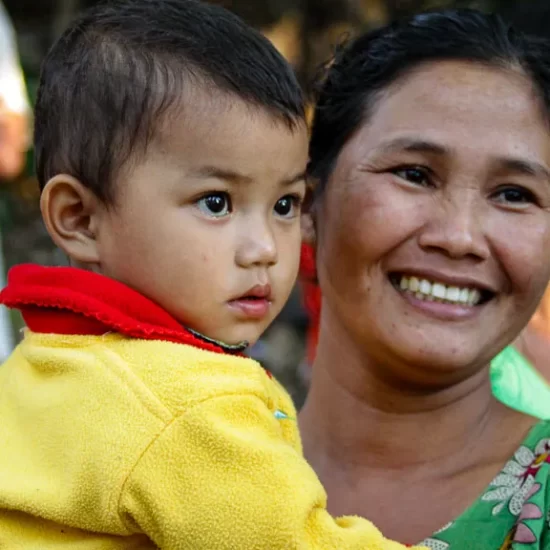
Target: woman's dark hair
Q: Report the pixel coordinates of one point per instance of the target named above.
(110, 80)
(370, 64)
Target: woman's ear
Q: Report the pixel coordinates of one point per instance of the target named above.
(308, 217)
(71, 213)
(308, 228)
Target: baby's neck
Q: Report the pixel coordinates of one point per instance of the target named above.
(230, 348)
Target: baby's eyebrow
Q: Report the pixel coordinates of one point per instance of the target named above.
(295, 179)
(231, 176)
(207, 172)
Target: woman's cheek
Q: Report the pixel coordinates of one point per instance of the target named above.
(522, 246)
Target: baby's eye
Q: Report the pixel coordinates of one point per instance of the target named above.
(216, 205)
(288, 206)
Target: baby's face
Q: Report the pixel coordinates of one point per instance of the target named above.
(208, 224)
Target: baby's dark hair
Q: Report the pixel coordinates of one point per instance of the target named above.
(362, 70)
(108, 83)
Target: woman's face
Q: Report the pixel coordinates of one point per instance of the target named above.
(434, 229)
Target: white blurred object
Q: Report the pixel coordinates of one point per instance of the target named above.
(13, 99)
(13, 93)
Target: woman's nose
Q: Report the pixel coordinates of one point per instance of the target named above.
(456, 228)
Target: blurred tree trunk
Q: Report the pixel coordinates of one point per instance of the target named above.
(327, 23)
(65, 11)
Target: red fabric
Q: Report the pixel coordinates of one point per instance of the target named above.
(66, 300)
(311, 297)
(308, 269)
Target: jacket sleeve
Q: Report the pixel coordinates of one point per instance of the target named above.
(222, 477)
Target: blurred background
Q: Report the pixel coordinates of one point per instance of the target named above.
(305, 32)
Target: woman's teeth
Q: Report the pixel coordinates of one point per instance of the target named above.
(438, 292)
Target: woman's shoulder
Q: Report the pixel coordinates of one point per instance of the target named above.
(539, 436)
(514, 510)
(522, 492)
(526, 473)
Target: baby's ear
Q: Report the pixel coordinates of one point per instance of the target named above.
(70, 212)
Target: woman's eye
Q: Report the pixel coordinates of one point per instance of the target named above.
(288, 206)
(418, 176)
(515, 195)
(216, 205)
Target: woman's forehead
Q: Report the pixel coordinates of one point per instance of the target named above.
(455, 105)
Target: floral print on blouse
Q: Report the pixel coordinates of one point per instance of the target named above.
(513, 513)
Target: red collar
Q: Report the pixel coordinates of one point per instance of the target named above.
(66, 300)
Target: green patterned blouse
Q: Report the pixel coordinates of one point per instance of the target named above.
(513, 513)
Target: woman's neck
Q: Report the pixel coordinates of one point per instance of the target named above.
(354, 418)
(410, 461)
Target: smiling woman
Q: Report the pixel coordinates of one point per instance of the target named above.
(463, 215)
(431, 152)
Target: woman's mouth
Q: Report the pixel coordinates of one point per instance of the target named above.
(430, 290)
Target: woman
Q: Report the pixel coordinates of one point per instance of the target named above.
(431, 154)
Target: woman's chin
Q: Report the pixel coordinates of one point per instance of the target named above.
(435, 360)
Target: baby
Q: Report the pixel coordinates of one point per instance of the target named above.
(171, 150)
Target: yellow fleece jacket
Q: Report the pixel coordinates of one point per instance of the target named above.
(112, 442)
